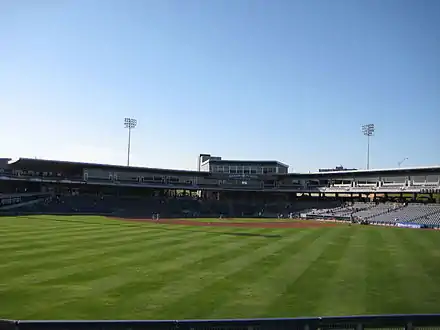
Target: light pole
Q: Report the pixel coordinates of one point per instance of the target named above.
(401, 162)
(129, 123)
(368, 131)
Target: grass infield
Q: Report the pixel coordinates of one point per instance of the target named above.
(97, 268)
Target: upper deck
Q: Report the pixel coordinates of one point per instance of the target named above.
(68, 166)
(353, 180)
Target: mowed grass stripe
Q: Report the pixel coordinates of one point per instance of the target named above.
(305, 290)
(27, 224)
(261, 297)
(87, 240)
(62, 255)
(404, 299)
(419, 253)
(118, 225)
(103, 308)
(410, 288)
(97, 256)
(56, 239)
(84, 280)
(43, 224)
(253, 289)
(63, 231)
(346, 292)
(427, 244)
(159, 253)
(117, 290)
(382, 280)
(35, 246)
(195, 286)
(64, 227)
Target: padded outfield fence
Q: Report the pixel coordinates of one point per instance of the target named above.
(406, 322)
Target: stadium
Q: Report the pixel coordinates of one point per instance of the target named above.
(245, 199)
(230, 240)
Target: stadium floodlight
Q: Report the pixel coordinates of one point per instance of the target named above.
(368, 131)
(401, 162)
(129, 123)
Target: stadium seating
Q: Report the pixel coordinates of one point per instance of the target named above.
(374, 210)
(409, 213)
(186, 206)
(386, 213)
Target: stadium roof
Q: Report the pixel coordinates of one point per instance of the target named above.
(228, 161)
(370, 172)
(45, 163)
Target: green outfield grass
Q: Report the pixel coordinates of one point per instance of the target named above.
(96, 268)
(226, 220)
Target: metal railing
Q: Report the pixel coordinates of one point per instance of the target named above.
(406, 322)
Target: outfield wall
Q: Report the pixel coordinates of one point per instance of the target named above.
(407, 322)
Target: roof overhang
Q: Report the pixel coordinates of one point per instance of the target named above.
(33, 163)
(369, 173)
(256, 162)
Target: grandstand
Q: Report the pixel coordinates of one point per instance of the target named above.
(426, 215)
(374, 196)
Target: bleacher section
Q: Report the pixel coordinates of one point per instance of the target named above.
(387, 213)
(412, 213)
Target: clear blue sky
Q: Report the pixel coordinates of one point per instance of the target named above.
(243, 79)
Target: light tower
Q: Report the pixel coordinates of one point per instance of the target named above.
(368, 131)
(129, 123)
(401, 162)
